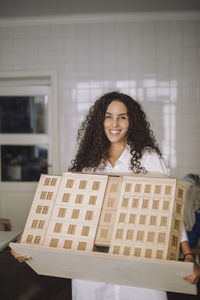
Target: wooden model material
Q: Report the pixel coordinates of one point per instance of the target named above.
(103, 267)
(131, 216)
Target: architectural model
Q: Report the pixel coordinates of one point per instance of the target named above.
(130, 215)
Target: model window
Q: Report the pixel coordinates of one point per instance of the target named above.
(155, 204)
(85, 231)
(174, 242)
(128, 187)
(163, 221)
(89, 215)
(122, 218)
(82, 245)
(119, 234)
(145, 203)
(39, 209)
(161, 237)
(62, 212)
(157, 189)
(41, 225)
(58, 227)
(34, 223)
(47, 181)
(180, 193)
(43, 195)
(70, 183)
(66, 197)
(53, 181)
(71, 229)
(153, 220)
(132, 219)
(168, 190)
(116, 249)
(79, 199)
(148, 253)
(159, 254)
(93, 200)
(177, 224)
(45, 210)
(137, 188)
(178, 208)
(49, 195)
(67, 244)
(129, 234)
(127, 250)
(140, 236)
(75, 213)
(54, 243)
(142, 219)
(137, 252)
(166, 205)
(147, 188)
(150, 237)
(125, 202)
(29, 239)
(37, 239)
(83, 184)
(96, 185)
(135, 203)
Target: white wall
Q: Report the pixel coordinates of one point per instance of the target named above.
(22, 8)
(155, 60)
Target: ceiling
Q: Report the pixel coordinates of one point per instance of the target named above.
(29, 8)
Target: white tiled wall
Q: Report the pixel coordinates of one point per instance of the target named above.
(156, 62)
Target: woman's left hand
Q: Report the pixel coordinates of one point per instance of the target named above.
(193, 278)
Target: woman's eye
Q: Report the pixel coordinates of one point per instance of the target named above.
(123, 118)
(107, 117)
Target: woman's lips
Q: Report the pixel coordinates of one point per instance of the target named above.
(114, 132)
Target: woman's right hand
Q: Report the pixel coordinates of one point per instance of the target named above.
(20, 257)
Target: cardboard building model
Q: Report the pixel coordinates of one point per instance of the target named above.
(129, 215)
(118, 228)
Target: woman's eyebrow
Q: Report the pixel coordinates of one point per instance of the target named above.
(119, 114)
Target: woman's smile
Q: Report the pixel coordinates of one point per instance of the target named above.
(114, 132)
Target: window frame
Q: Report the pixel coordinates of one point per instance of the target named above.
(48, 139)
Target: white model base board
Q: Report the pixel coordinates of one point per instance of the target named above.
(148, 273)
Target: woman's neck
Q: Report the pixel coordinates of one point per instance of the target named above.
(115, 152)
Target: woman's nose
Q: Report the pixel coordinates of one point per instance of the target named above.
(114, 122)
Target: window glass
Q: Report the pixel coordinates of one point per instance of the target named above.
(23, 163)
(23, 114)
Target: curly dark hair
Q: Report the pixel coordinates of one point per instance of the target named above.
(94, 145)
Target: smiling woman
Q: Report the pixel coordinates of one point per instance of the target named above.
(116, 137)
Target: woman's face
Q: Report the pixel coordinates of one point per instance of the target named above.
(116, 122)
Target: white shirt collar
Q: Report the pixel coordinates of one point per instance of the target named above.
(125, 156)
(123, 160)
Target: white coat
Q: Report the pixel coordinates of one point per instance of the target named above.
(88, 290)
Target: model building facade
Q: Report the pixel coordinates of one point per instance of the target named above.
(132, 215)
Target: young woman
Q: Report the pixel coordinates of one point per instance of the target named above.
(116, 137)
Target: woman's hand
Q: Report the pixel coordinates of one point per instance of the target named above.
(20, 257)
(192, 278)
